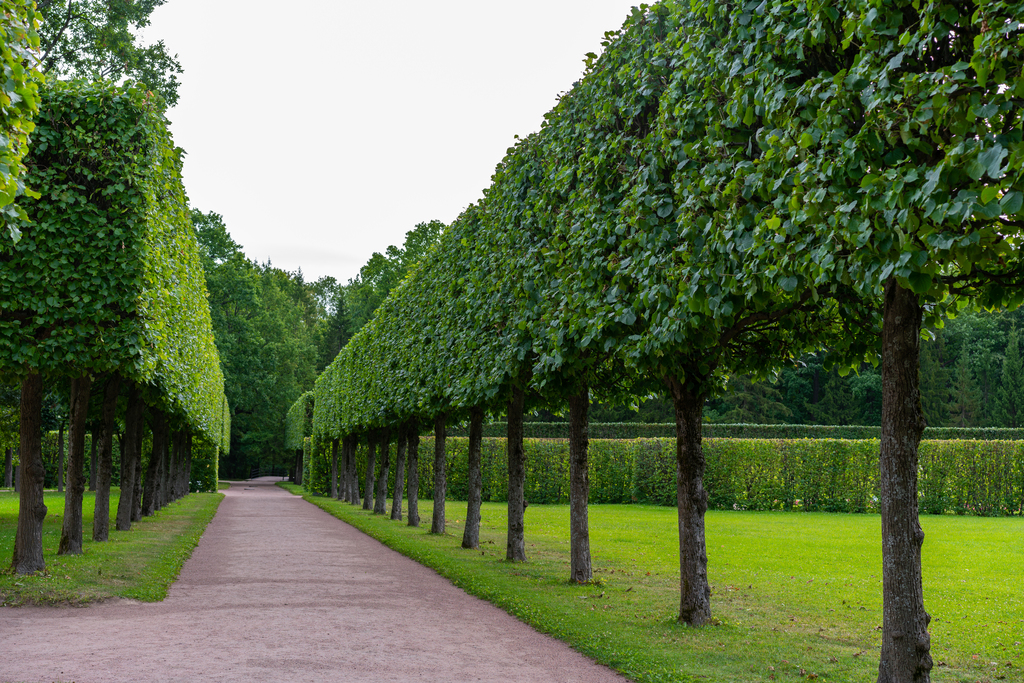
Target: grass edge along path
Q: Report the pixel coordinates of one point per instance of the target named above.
(140, 564)
(796, 620)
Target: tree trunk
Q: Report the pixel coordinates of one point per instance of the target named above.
(92, 461)
(353, 475)
(334, 469)
(174, 465)
(166, 465)
(580, 570)
(400, 446)
(692, 500)
(371, 458)
(101, 510)
(71, 529)
(8, 468)
(515, 546)
(131, 453)
(137, 486)
(60, 458)
(440, 475)
(151, 485)
(380, 504)
(298, 468)
(906, 643)
(188, 464)
(28, 539)
(471, 532)
(412, 434)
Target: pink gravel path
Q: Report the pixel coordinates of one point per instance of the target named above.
(278, 590)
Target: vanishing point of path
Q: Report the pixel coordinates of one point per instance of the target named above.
(278, 590)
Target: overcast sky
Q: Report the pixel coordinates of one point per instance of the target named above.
(324, 130)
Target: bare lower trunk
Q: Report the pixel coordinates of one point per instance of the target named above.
(515, 545)
(298, 468)
(60, 458)
(692, 500)
(101, 510)
(166, 465)
(28, 539)
(188, 464)
(348, 447)
(380, 503)
(355, 473)
(137, 486)
(580, 570)
(151, 485)
(396, 504)
(906, 644)
(174, 466)
(371, 458)
(471, 532)
(440, 475)
(412, 434)
(334, 469)
(131, 455)
(8, 468)
(71, 529)
(92, 462)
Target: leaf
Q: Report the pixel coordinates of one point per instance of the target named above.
(1011, 202)
(992, 161)
(989, 193)
(920, 282)
(788, 284)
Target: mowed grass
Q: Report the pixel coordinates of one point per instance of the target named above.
(796, 596)
(140, 564)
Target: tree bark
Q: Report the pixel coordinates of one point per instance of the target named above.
(92, 461)
(400, 446)
(334, 469)
(906, 644)
(9, 468)
(371, 458)
(580, 570)
(137, 486)
(131, 455)
(440, 474)
(298, 468)
(471, 532)
(188, 463)
(28, 539)
(352, 441)
(412, 434)
(515, 546)
(71, 528)
(692, 500)
(151, 485)
(380, 504)
(60, 458)
(101, 509)
(166, 466)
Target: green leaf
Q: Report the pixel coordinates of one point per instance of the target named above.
(920, 282)
(1011, 202)
(992, 161)
(989, 193)
(788, 284)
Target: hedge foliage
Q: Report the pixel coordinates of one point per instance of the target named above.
(299, 422)
(107, 276)
(823, 475)
(667, 430)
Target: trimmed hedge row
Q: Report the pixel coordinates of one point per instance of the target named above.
(667, 430)
(829, 475)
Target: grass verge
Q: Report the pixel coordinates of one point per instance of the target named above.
(797, 596)
(140, 564)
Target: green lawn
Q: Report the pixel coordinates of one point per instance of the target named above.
(797, 595)
(140, 564)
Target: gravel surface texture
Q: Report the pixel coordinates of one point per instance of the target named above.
(278, 590)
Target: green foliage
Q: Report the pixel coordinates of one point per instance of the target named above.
(298, 423)
(19, 102)
(1011, 390)
(107, 274)
(98, 39)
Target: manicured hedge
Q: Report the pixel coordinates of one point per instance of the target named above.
(827, 475)
(667, 430)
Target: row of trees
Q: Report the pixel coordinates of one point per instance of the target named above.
(727, 188)
(105, 286)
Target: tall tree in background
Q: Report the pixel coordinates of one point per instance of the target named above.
(935, 380)
(1010, 407)
(96, 39)
(965, 397)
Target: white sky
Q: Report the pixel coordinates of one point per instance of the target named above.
(324, 131)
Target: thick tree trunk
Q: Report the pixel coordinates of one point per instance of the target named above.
(353, 475)
(166, 467)
(9, 468)
(580, 570)
(371, 462)
(131, 456)
(17, 481)
(440, 474)
(174, 463)
(298, 468)
(137, 486)
(692, 500)
(380, 504)
(400, 446)
(515, 546)
(28, 539)
(60, 458)
(71, 529)
(906, 644)
(471, 532)
(92, 461)
(151, 485)
(412, 434)
(334, 469)
(101, 510)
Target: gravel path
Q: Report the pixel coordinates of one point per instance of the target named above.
(278, 590)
